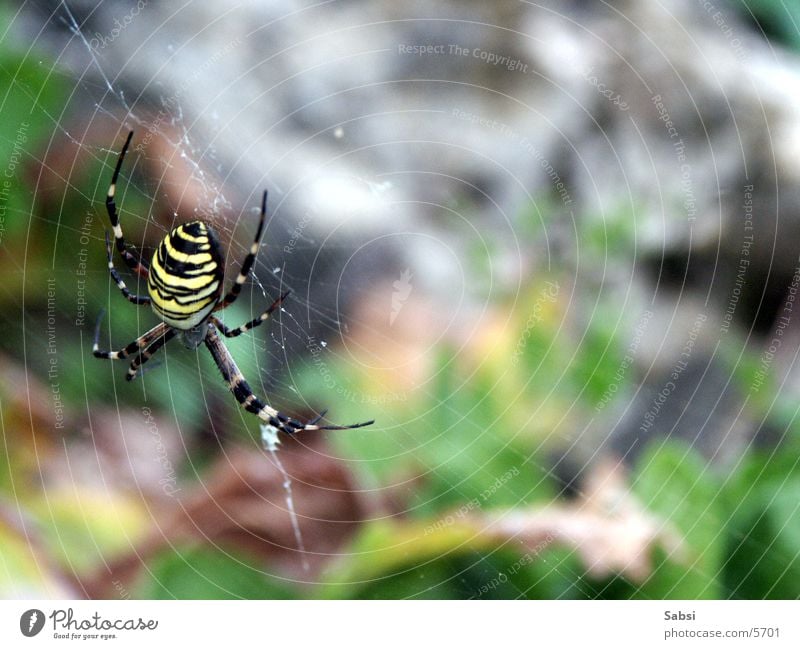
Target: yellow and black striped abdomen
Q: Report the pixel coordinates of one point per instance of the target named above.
(186, 275)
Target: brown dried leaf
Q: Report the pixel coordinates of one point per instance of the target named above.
(607, 527)
(242, 505)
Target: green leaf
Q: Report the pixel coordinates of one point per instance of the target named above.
(676, 484)
(764, 537)
(206, 573)
(30, 95)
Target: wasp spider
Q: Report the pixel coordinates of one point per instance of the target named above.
(184, 286)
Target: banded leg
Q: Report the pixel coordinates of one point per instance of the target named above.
(247, 264)
(133, 263)
(131, 297)
(249, 401)
(140, 343)
(232, 333)
(144, 356)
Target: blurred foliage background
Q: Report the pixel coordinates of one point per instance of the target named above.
(463, 489)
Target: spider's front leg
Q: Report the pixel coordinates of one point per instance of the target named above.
(141, 343)
(136, 366)
(249, 401)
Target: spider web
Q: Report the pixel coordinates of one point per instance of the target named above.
(204, 170)
(309, 338)
(271, 356)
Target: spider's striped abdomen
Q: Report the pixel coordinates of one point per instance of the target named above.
(186, 275)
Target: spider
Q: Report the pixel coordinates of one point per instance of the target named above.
(184, 285)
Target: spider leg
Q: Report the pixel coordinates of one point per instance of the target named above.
(131, 297)
(133, 263)
(147, 352)
(247, 264)
(249, 401)
(318, 418)
(232, 333)
(140, 343)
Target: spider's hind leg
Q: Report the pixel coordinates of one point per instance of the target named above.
(248, 262)
(136, 265)
(126, 292)
(232, 333)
